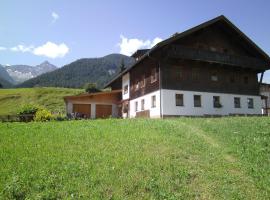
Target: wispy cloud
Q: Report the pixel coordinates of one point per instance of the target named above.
(52, 50)
(3, 48)
(22, 48)
(55, 17)
(49, 49)
(129, 46)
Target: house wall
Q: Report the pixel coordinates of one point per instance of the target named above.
(154, 112)
(227, 101)
(180, 76)
(125, 81)
(143, 72)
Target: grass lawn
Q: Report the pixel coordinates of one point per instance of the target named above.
(11, 100)
(186, 158)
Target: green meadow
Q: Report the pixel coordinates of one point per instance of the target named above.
(185, 158)
(11, 100)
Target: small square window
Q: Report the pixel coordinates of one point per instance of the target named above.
(250, 103)
(179, 99)
(153, 101)
(216, 102)
(197, 101)
(237, 102)
(125, 89)
(142, 104)
(214, 77)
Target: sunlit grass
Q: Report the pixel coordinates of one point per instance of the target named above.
(11, 100)
(224, 158)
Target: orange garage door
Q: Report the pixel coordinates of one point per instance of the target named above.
(103, 111)
(84, 109)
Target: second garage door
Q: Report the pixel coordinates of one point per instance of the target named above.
(103, 111)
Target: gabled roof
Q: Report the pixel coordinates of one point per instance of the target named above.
(139, 53)
(178, 36)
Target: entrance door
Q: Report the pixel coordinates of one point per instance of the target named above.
(103, 111)
(82, 109)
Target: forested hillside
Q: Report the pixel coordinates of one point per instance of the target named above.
(82, 71)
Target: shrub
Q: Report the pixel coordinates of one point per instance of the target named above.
(91, 88)
(28, 109)
(59, 117)
(43, 115)
(27, 112)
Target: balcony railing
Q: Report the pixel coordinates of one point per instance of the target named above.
(178, 51)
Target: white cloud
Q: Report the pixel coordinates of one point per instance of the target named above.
(22, 48)
(2, 48)
(49, 49)
(55, 17)
(52, 50)
(129, 46)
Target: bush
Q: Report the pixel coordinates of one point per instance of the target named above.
(43, 115)
(28, 109)
(59, 117)
(27, 112)
(91, 88)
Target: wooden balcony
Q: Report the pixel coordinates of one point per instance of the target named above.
(182, 52)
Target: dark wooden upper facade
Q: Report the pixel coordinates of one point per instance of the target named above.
(212, 58)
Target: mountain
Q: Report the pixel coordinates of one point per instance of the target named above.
(5, 79)
(22, 73)
(82, 71)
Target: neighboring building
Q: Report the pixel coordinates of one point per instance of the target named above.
(210, 69)
(95, 105)
(265, 96)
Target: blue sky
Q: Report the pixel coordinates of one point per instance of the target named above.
(62, 31)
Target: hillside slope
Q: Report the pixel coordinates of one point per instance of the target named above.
(186, 158)
(76, 74)
(11, 100)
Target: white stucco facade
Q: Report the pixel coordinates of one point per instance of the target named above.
(166, 102)
(168, 105)
(125, 82)
(154, 111)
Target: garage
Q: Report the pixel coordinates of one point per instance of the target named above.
(82, 109)
(103, 111)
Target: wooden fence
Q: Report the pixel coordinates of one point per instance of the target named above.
(17, 118)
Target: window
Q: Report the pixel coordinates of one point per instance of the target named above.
(237, 102)
(137, 85)
(125, 89)
(179, 100)
(153, 102)
(214, 77)
(142, 104)
(197, 101)
(143, 81)
(195, 74)
(153, 75)
(250, 103)
(216, 102)
(136, 106)
(245, 79)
